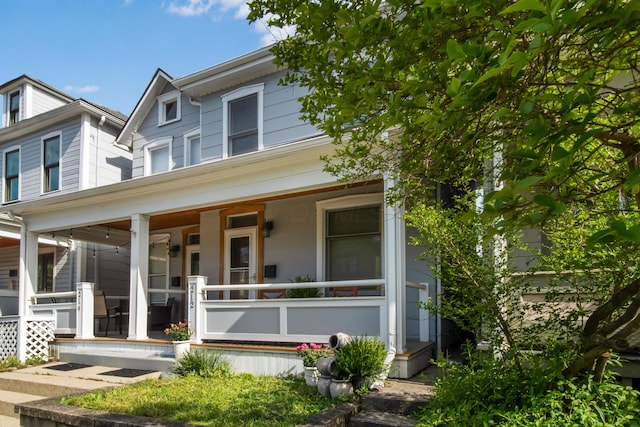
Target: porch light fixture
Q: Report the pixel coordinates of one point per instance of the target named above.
(174, 250)
(267, 226)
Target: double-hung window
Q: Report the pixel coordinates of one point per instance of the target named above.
(351, 237)
(11, 175)
(242, 120)
(158, 156)
(51, 163)
(169, 108)
(192, 150)
(14, 107)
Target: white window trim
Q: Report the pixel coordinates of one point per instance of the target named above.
(154, 145)
(236, 94)
(322, 206)
(193, 133)
(4, 168)
(6, 116)
(162, 100)
(44, 138)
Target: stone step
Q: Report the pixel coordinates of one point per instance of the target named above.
(402, 398)
(381, 419)
(43, 385)
(9, 421)
(8, 400)
(121, 359)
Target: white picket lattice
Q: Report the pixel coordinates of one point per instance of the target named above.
(9, 337)
(40, 332)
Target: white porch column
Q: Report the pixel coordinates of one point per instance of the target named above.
(84, 310)
(28, 275)
(194, 299)
(395, 277)
(139, 274)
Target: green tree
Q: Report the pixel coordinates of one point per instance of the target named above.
(536, 97)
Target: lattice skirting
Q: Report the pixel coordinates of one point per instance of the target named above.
(8, 339)
(38, 334)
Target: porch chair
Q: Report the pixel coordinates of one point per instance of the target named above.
(102, 311)
(160, 315)
(351, 291)
(272, 293)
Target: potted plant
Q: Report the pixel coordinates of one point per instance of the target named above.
(179, 333)
(310, 353)
(361, 360)
(303, 292)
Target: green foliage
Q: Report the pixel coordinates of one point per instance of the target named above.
(230, 400)
(35, 361)
(202, 363)
(303, 292)
(362, 357)
(10, 362)
(491, 392)
(536, 101)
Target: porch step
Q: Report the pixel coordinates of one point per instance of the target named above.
(381, 419)
(392, 405)
(6, 421)
(8, 400)
(122, 359)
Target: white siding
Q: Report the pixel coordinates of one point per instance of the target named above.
(43, 102)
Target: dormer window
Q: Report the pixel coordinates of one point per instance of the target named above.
(169, 108)
(14, 107)
(242, 120)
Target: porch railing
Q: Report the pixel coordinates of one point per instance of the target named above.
(284, 319)
(62, 306)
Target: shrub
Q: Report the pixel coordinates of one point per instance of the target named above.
(493, 392)
(202, 363)
(360, 358)
(303, 292)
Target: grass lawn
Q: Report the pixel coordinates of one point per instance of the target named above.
(221, 400)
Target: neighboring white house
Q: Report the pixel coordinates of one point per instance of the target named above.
(228, 203)
(53, 144)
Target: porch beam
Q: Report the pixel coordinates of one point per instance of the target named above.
(139, 276)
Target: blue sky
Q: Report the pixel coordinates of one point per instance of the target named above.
(106, 51)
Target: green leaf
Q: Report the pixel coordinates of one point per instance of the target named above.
(524, 5)
(632, 180)
(454, 50)
(558, 153)
(526, 183)
(544, 200)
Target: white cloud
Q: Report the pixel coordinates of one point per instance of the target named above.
(82, 89)
(240, 9)
(190, 8)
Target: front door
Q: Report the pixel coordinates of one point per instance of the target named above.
(240, 260)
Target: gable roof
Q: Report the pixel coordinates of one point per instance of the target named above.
(196, 85)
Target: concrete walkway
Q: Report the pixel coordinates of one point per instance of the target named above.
(57, 379)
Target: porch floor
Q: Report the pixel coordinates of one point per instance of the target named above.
(258, 358)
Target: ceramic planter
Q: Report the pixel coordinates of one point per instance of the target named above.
(180, 348)
(340, 388)
(324, 382)
(311, 375)
(324, 364)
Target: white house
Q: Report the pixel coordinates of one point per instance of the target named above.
(228, 203)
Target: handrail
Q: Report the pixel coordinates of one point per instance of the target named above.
(297, 285)
(66, 294)
(423, 286)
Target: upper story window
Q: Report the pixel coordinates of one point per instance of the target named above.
(242, 120)
(14, 107)
(158, 156)
(192, 150)
(11, 175)
(51, 163)
(169, 108)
